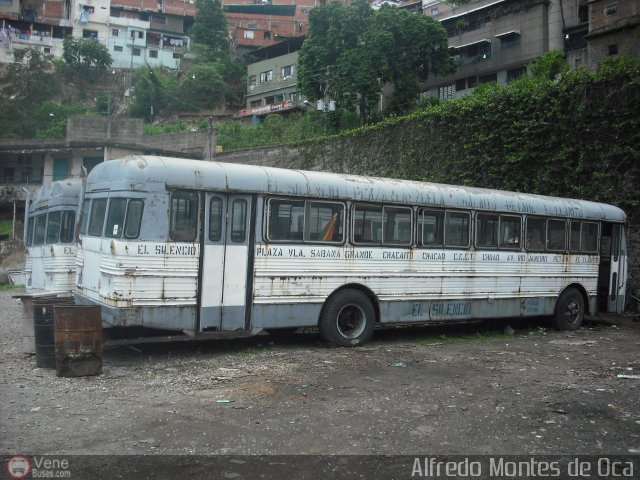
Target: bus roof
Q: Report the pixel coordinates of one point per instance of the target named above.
(152, 173)
(59, 193)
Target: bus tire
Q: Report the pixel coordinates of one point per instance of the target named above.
(569, 311)
(347, 319)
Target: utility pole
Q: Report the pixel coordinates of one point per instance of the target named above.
(211, 139)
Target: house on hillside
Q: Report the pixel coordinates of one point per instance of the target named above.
(272, 83)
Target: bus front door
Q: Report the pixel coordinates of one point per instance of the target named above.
(225, 277)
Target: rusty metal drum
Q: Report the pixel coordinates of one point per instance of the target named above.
(78, 340)
(43, 330)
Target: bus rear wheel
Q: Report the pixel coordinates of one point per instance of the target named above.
(569, 310)
(347, 319)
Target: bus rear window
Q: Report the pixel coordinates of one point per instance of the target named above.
(184, 216)
(115, 217)
(40, 229)
(67, 226)
(134, 219)
(53, 227)
(96, 218)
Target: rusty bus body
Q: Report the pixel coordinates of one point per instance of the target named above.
(202, 246)
(49, 237)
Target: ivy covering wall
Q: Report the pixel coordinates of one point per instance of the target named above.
(577, 137)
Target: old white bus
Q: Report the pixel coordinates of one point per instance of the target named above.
(201, 246)
(50, 220)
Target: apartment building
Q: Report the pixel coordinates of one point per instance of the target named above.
(614, 29)
(136, 32)
(259, 23)
(494, 40)
(272, 84)
(40, 24)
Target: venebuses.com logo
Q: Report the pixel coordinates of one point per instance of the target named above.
(18, 467)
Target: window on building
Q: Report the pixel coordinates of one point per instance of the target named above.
(270, 100)
(583, 13)
(472, 81)
(115, 32)
(492, 77)
(46, 50)
(91, 34)
(117, 48)
(253, 79)
(613, 49)
(248, 34)
(287, 72)
(446, 91)
(255, 103)
(461, 84)
(266, 35)
(177, 56)
(153, 54)
(135, 52)
(516, 73)
(266, 76)
(611, 9)
(294, 97)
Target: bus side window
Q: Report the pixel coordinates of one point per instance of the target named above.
(367, 224)
(589, 237)
(536, 233)
(510, 228)
(457, 229)
(431, 228)
(323, 222)
(487, 230)
(574, 236)
(184, 216)
(556, 235)
(285, 219)
(396, 225)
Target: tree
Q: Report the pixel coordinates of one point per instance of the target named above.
(210, 29)
(549, 65)
(31, 76)
(352, 52)
(86, 56)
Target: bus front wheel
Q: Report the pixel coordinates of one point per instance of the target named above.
(569, 310)
(347, 319)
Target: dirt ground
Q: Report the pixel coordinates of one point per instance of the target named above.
(439, 390)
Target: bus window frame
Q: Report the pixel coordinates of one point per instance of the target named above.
(306, 206)
(94, 201)
(469, 215)
(67, 226)
(196, 228)
(502, 218)
(126, 219)
(582, 224)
